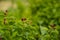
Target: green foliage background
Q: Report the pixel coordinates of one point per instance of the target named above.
(40, 16)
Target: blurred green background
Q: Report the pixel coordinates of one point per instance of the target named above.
(29, 19)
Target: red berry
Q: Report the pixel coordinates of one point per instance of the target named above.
(6, 11)
(0, 38)
(53, 25)
(23, 19)
(4, 20)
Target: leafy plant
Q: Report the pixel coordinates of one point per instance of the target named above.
(39, 20)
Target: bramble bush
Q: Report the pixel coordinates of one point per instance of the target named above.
(36, 20)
